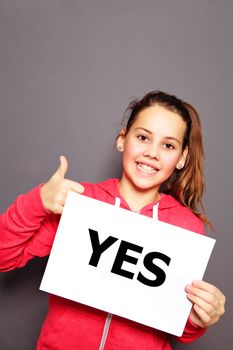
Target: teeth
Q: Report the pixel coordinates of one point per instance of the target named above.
(146, 168)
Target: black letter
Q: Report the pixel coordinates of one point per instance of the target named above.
(98, 248)
(121, 257)
(157, 271)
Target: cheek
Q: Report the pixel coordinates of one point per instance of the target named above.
(132, 149)
(170, 162)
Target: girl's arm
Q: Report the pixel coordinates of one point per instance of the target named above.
(28, 227)
(191, 332)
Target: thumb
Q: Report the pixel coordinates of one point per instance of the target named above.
(63, 167)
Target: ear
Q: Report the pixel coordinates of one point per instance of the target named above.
(182, 159)
(120, 141)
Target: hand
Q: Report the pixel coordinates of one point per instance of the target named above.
(54, 192)
(208, 303)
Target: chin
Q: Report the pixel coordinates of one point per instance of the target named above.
(142, 186)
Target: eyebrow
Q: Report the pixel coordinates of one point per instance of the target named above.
(166, 137)
(138, 128)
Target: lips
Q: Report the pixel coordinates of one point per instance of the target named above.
(149, 169)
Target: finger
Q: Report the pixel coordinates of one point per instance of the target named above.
(204, 317)
(58, 209)
(63, 167)
(75, 186)
(206, 287)
(207, 292)
(206, 296)
(200, 317)
(212, 290)
(209, 309)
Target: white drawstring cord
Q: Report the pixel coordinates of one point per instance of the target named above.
(155, 211)
(155, 208)
(117, 202)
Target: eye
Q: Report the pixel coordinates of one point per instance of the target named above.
(169, 146)
(143, 138)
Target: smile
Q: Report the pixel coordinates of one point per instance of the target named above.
(147, 168)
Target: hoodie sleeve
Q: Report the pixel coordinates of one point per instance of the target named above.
(191, 333)
(27, 230)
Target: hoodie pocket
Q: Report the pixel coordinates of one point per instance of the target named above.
(72, 326)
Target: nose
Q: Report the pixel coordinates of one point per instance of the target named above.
(152, 152)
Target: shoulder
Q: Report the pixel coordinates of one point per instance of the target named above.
(172, 212)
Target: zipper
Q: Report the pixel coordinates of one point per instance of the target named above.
(105, 331)
(109, 316)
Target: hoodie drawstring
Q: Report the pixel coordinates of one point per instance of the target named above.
(109, 316)
(117, 202)
(155, 212)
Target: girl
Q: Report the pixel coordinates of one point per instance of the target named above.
(161, 147)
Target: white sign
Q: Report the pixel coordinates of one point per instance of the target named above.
(125, 263)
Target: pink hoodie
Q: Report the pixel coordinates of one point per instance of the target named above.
(28, 230)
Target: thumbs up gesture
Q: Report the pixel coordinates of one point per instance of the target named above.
(54, 192)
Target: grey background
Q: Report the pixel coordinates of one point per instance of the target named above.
(67, 71)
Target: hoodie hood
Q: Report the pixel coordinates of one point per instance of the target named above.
(111, 187)
(169, 209)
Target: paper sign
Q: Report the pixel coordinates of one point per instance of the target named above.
(125, 263)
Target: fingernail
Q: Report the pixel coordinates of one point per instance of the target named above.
(188, 288)
(190, 296)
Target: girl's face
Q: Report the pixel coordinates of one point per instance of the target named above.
(152, 149)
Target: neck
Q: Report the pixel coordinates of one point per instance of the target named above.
(137, 198)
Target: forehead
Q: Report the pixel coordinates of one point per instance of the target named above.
(158, 119)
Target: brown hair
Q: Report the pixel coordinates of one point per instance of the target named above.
(186, 184)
